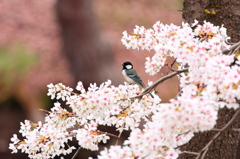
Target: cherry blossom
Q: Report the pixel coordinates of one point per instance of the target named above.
(210, 83)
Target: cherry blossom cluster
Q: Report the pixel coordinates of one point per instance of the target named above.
(211, 82)
(172, 125)
(41, 141)
(199, 47)
(188, 44)
(103, 105)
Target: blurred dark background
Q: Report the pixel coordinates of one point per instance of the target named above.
(52, 41)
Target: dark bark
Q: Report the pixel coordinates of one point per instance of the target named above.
(89, 55)
(224, 147)
(227, 13)
(238, 148)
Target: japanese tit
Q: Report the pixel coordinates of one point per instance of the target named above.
(131, 76)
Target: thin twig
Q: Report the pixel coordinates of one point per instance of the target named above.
(204, 153)
(173, 62)
(233, 47)
(119, 137)
(109, 134)
(189, 152)
(148, 118)
(234, 129)
(62, 114)
(71, 135)
(98, 131)
(205, 149)
(170, 67)
(183, 133)
(76, 153)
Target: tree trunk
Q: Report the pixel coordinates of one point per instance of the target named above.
(217, 12)
(226, 12)
(89, 56)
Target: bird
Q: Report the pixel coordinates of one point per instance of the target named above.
(131, 75)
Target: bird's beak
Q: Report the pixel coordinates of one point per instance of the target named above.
(122, 64)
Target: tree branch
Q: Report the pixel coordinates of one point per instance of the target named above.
(203, 152)
(118, 137)
(205, 149)
(155, 84)
(76, 153)
(189, 152)
(233, 47)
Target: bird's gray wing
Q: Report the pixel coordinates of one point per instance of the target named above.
(134, 76)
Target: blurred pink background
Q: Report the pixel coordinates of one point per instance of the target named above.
(31, 53)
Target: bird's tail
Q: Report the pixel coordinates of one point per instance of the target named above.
(151, 95)
(149, 92)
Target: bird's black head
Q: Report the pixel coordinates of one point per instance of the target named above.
(127, 65)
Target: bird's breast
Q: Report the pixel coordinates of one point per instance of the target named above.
(128, 79)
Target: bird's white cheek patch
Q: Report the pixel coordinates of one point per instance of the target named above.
(129, 67)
